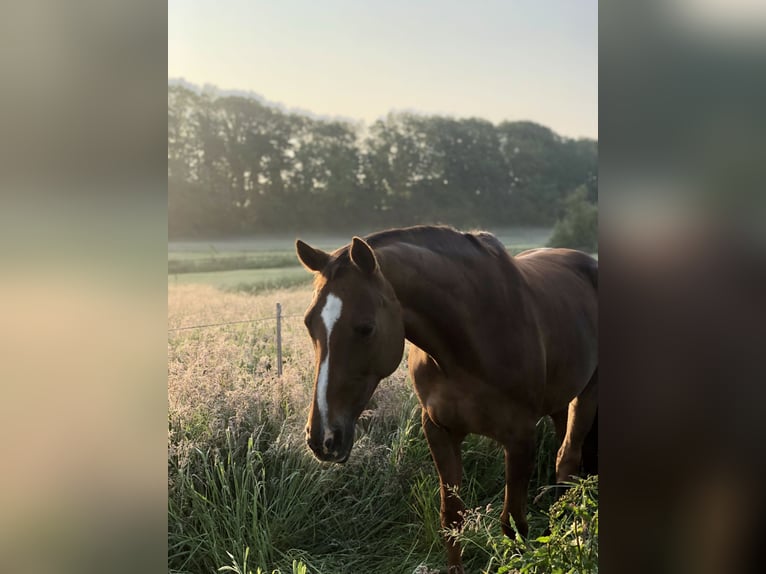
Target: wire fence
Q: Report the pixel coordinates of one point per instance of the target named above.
(278, 318)
(256, 320)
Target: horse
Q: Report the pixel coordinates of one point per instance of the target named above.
(496, 343)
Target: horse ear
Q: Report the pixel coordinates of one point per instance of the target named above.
(312, 259)
(363, 256)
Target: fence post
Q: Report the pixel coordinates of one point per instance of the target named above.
(279, 339)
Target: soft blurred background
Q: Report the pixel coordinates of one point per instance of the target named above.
(682, 263)
(82, 299)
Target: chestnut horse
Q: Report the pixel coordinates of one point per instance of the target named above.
(497, 342)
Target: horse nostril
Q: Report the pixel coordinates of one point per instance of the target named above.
(333, 441)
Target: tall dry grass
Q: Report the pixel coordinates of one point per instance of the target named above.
(225, 377)
(234, 427)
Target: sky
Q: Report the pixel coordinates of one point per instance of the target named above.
(500, 60)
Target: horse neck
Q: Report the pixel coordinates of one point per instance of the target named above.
(424, 284)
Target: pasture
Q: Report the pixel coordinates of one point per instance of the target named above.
(244, 492)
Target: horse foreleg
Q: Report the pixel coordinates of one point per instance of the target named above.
(445, 450)
(582, 412)
(519, 462)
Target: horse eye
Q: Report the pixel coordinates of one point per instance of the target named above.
(364, 329)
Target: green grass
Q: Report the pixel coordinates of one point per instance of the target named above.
(261, 501)
(569, 545)
(272, 500)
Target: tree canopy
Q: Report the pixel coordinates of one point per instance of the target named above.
(239, 167)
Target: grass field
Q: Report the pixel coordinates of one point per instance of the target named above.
(199, 258)
(244, 493)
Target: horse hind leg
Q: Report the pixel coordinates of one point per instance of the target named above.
(590, 449)
(560, 424)
(590, 446)
(581, 416)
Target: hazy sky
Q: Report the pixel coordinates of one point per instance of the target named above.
(497, 59)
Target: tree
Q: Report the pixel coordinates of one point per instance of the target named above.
(237, 166)
(578, 229)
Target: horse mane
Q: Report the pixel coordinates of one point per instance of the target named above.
(468, 247)
(441, 239)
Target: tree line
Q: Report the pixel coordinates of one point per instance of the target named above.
(239, 167)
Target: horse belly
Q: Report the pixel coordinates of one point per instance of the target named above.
(568, 371)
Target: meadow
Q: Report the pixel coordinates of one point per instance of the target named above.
(259, 264)
(245, 494)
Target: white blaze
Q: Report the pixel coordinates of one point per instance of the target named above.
(330, 314)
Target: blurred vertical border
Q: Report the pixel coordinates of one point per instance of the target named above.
(683, 285)
(83, 292)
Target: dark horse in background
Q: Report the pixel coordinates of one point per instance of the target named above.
(497, 343)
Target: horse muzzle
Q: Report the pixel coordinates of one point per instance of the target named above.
(333, 445)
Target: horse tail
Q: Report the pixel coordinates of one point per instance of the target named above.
(590, 269)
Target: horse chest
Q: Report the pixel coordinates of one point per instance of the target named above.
(460, 402)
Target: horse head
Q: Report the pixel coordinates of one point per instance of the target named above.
(355, 322)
